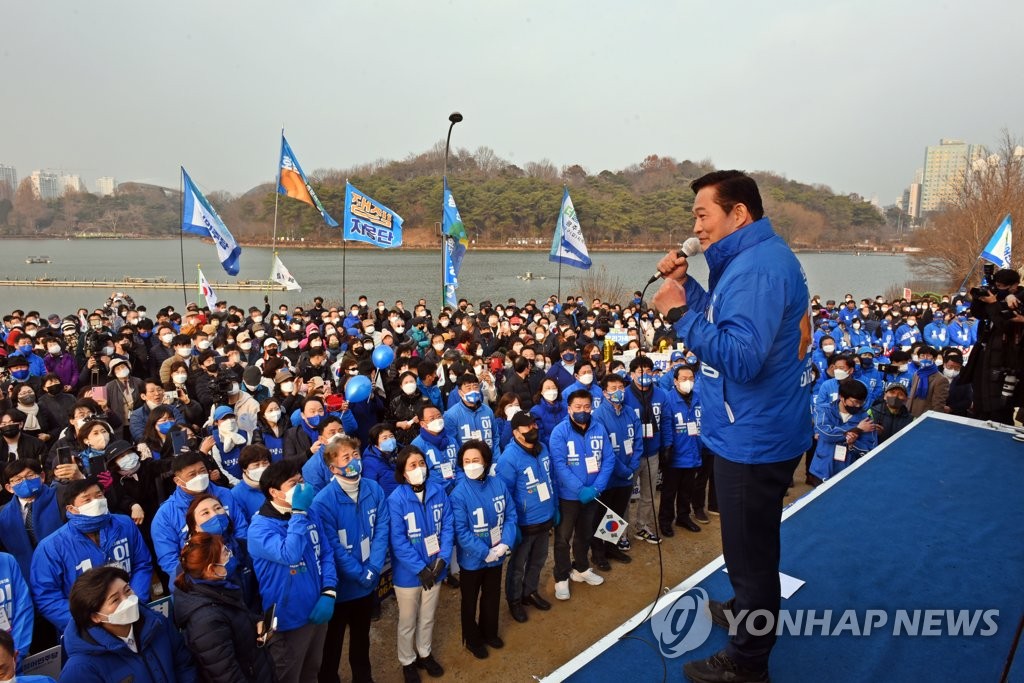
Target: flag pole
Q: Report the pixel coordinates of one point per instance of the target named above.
(199, 280)
(559, 274)
(277, 197)
(181, 235)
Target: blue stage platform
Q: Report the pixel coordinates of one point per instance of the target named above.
(931, 520)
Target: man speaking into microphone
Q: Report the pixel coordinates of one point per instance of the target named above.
(751, 330)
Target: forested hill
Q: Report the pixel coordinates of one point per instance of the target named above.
(645, 204)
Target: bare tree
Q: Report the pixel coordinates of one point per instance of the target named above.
(988, 191)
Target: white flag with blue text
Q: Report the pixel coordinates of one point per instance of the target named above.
(998, 248)
(568, 246)
(281, 275)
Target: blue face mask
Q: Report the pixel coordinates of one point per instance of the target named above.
(581, 418)
(622, 373)
(473, 398)
(25, 349)
(569, 357)
(617, 396)
(20, 375)
(164, 427)
(314, 421)
(216, 525)
(388, 445)
(144, 334)
(645, 380)
(28, 488)
(926, 363)
(353, 469)
(230, 566)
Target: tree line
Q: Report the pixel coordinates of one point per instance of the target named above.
(644, 204)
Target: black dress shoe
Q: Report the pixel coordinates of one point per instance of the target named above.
(452, 581)
(717, 610)
(410, 674)
(430, 664)
(719, 668)
(602, 564)
(667, 532)
(495, 642)
(617, 555)
(478, 650)
(701, 516)
(517, 611)
(537, 601)
(687, 523)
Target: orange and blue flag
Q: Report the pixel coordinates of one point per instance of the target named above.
(291, 182)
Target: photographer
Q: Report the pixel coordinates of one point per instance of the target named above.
(997, 361)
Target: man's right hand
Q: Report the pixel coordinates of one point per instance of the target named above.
(673, 266)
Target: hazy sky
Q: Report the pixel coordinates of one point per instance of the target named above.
(842, 93)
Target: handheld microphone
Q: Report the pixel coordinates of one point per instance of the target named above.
(690, 248)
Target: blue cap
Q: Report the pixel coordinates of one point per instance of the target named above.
(676, 355)
(865, 350)
(222, 412)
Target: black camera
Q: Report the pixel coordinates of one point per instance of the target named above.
(222, 384)
(889, 369)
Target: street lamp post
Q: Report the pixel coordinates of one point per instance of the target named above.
(454, 118)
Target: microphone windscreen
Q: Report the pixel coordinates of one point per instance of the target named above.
(691, 247)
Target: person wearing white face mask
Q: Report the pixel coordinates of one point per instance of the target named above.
(422, 535)
(92, 537)
(584, 374)
(439, 449)
(404, 406)
(123, 391)
(680, 426)
(353, 509)
(169, 529)
(485, 530)
(293, 556)
(228, 441)
(840, 367)
(269, 430)
(549, 410)
(111, 630)
(254, 461)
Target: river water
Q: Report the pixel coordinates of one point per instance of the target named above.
(377, 273)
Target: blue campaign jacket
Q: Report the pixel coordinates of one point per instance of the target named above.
(872, 379)
(936, 335)
(411, 521)
(548, 415)
(523, 473)
(569, 450)
(229, 459)
(378, 468)
(100, 657)
(755, 357)
(906, 336)
(647, 406)
(274, 444)
(359, 533)
(962, 333)
(831, 430)
(563, 376)
(16, 603)
(828, 392)
(36, 365)
(684, 448)
(623, 429)
(315, 471)
(247, 499)
(439, 449)
(462, 423)
(46, 516)
(293, 562)
(170, 531)
(66, 554)
(596, 395)
(477, 508)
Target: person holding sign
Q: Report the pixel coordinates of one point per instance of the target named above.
(422, 536)
(485, 530)
(355, 516)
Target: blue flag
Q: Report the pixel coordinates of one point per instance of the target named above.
(998, 248)
(291, 182)
(456, 242)
(568, 246)
(367, 220)
(199, 218)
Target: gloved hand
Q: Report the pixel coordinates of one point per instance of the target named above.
(368, 578)
(437, 567)
(323, 610)
(303, 497)
(497, 553)
(106, 479)
(426, 578)
(587, 494)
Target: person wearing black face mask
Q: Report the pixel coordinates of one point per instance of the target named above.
(525, 467)
(55, 400)
(890, 411)
(39, 422)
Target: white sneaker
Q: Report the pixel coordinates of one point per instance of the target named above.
(586, 577)
(562, 590)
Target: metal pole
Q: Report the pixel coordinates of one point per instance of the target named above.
(454, 118)
(181, 236)
(277, 197)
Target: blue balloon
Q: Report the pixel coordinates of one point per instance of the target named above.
(383, 356)
(358, 389)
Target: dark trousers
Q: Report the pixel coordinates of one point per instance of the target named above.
(481, 589)
(576, 529)
(705, 475)
(750, 504)
(354, 614)
(677, 485)
(524, 568)
(617, 499)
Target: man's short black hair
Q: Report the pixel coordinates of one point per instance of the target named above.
(579, 393)
(277, 474)
(853, 388)
(732, 188)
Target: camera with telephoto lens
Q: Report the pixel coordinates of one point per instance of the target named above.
(222, 384)
(889, 369)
